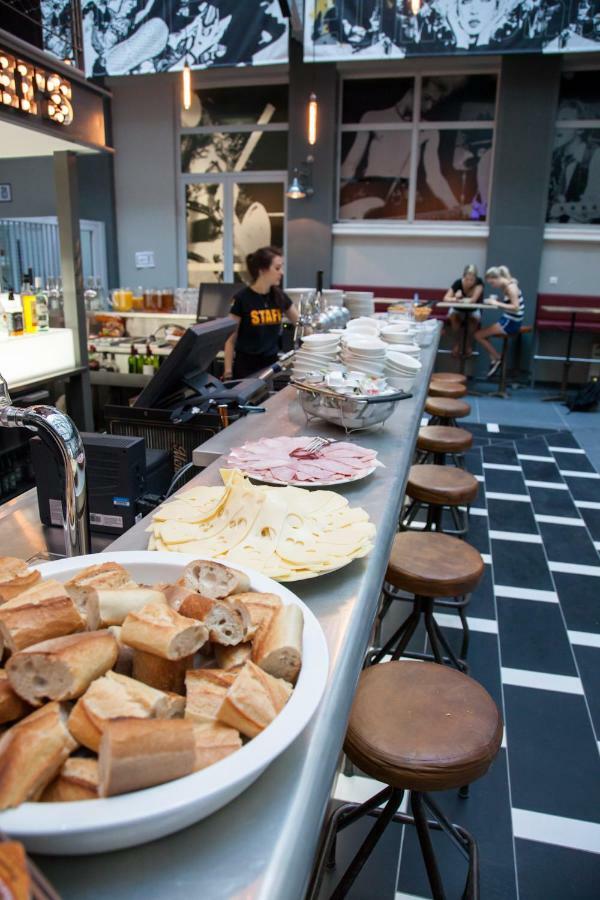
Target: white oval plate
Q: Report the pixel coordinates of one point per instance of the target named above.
(312, 484)
(96, 826)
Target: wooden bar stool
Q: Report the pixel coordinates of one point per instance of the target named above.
(446, 410)
(443, 389)
(505, 338)
(416, 728)
(435, 442)
(449, 377)
(437, 570)
(437, 488)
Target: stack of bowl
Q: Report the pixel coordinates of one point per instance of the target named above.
(365, 354)
(399, 332)
(360, 303)
(401, 370)
(317, 354)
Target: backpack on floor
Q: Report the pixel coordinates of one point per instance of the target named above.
(586, 399)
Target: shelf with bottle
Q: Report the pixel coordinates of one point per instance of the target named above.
(131, 314)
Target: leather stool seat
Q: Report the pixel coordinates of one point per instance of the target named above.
(443, 389)
(433, 565)
(449, 377)
(422, 727)
(447, 407)
(441, 485)
(444, 439)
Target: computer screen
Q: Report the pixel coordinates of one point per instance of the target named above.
(214, 300)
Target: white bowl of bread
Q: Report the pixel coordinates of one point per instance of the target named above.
(142, 691)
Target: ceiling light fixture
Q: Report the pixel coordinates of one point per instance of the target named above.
(301, 184)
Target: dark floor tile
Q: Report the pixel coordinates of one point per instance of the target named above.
(551, 502)
(500, 454)
(580, 601)
(540, 471)
(473, 463)
(506, 482)
(568, 543)
(482, 657)
(482, 599)
(486, 814)
(563, 439)
(591, 517)
(533, 636)
(588, 660)
(506, 515)
(574, 462)
(533, 446)
(584, 488)
(477, 535)
(553, 754)
(521, 565)
(547, 872)
(480, 441)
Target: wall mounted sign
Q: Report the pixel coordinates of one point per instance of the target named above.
(5, 193)
(33, 91)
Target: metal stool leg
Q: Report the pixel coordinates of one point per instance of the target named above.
(431, 866)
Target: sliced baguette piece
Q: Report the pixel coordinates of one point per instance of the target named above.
(124, 663)
(24, 624)
(260, 606)
(214, 580)
(41, 590)
(82, 588)
(227, 622)
(77, 780)
(205, 691)
(112, 605)
(139, 753)
(15, 880)
(253, 700)
(32, 752)
(158, 629)
(160, 673)
(11, 705)
(115, 696)
(15, 576)
(62, 668)
(214, 742)
(277, 647)
(231, 659)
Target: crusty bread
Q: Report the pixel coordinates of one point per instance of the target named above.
(205, 692)
(253, 700)
(160, 673)
(124, 663)
(23, 624)
(77, 780)
(83, 586)
(232, 658)
(214, 742)
(113, 697)
(41, 590)
(139, 753)
(15, 576)
(177, 593)
(277, 647)
(62, 668)
(11, 705)
(260, 606)
(32, 752)
(214, 580)
(158, 629)
(15, 880)
(227, 622)
(112, 605)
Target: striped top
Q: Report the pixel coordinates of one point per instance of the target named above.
(515, 316)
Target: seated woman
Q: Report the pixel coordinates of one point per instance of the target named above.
(467, 289)
(513, 308)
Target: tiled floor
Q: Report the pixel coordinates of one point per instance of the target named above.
(535, 645)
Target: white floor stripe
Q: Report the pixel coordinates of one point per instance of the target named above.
(570, 473)
(584, 638)
(503, 742)
(597, 545)
(585, 504)
(400, 895)
(502, 467)
(549, 485)
(519, 593)
(560, 520)
(424, 422)
(448, 620)
(356, 789)
(513, 498)
(534, 458)
(487, 559)
(566, 450)
(544, 681)
(479, 477)
(478, 511)
(574, 569)
(515, 536)
(556, 830)
(492, 428)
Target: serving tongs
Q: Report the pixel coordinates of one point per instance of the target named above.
(312, 449)
(40, 888)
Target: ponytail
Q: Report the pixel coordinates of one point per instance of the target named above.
(498, 272)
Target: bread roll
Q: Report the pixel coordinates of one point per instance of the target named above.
(227, 622)
(232, 658)
(253, 700)
(15, 880)
(260, 607)
(32, 752)
(61, 669)
(214, 580)
(15, 576)
(41, 590)
(124, 663)
(77, 780)
(205, 692)
(139, 753)
(25, 623)
(277, 647)
(11, 705)
(158, 629)
(163, 674)
(114, 696)
(112, 605)
(214, 742)
(82, 588)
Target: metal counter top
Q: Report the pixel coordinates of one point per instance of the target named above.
(262, 845)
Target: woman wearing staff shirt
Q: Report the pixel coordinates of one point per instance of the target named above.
(467, 289)
(258, 311)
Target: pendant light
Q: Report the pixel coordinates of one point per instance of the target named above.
(312, 119)
(186, 77)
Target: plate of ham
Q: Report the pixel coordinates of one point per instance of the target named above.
(274, 461)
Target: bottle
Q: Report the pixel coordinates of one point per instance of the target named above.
(147, 365)
(41, 307)
(14, 314)
(29, 311)
(156, 361)
(132, 361)
(137, 300)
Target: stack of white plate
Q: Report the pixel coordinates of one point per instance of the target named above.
(317, 354)
(408, 348)
(360, 303)
(333, 298)
(401, 370)
(363, 325)
(364, 354)
(398, 334)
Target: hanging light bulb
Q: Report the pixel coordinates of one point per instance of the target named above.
(187, 86)
(415, 6)
(312, 119)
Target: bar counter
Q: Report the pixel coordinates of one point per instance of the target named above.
(262, 844)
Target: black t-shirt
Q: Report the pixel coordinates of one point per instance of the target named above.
(260, 324)
(457, 286)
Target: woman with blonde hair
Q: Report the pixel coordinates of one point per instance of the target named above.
(513, 309)
(467, 289)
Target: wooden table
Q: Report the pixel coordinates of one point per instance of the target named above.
(573, 311)
(461, 306)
